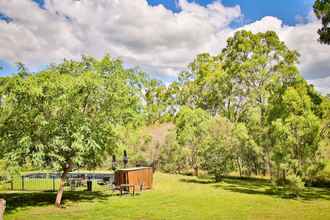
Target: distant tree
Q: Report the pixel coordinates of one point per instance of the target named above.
(191, 127)
(322, 11)
(218, 146)
(246, 152)
(203, 85)
(174, 158)
(160, 102)
(22, 70)
(66, 116)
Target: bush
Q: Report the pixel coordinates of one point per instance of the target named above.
(295, 184)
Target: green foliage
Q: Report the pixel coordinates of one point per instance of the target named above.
(218, 149)
(136, 143)
(297, 137)
(173, 157)
(246, 109)
(278, 119)
(191, 127)
(322, 12)
(67, 116)
(160, 102)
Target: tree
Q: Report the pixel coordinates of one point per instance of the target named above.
(255, 84)
(173, 157)
(66, 116)
(296, 137)
(246, 152)
(202, 85)
(250, 69)
(22, 70)
(217, 151)
(239, 84)
(322, 11)
(191, 127)
(159, 102)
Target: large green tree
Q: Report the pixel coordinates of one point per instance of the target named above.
(251, 83)
(322, 12)
(296, 137)
(239, 84)
(67, 116)
(191, 130)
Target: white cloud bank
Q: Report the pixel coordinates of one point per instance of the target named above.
(158, 40)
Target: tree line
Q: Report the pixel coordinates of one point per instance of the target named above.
(247, 110)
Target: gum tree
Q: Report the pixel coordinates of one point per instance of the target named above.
(191, 130)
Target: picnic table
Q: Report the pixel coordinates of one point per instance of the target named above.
(127, 188)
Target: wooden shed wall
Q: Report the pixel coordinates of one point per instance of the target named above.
(135, 177)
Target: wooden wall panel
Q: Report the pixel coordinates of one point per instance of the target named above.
(135, 176)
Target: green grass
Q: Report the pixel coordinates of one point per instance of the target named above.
(176, 197)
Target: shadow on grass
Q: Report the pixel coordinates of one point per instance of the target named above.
(25, 199)
(258, 186)
(199, 181)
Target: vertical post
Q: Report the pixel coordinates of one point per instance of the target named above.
(22, 183)
(53, 183)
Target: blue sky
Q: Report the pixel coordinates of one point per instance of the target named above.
(161, 41)
(286, 10)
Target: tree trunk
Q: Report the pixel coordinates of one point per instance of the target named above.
(195, 170)
(239, 167)
(61, 189)
(270, 167)
(2, 208)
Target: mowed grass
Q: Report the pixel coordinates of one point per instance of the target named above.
(176, 197)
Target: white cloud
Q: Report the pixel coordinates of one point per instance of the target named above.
(152, 37)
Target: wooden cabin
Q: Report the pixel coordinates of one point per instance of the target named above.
(137, 176)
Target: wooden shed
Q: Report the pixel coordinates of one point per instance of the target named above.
(138, 176)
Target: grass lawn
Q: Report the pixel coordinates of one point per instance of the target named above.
(175, 197)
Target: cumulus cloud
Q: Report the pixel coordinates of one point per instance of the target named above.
(149, 36)
(158, 40)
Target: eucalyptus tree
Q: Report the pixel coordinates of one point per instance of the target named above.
(191, 130)
(250, 69)
(160, 101)
(202, 85)
(173, 157)
(296, 136)
(322, 12)
(219, 147)
(239, 83)
(68, 115)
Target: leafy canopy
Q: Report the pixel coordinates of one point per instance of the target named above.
(67, 115)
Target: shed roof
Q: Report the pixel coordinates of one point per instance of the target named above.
(134, 168)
